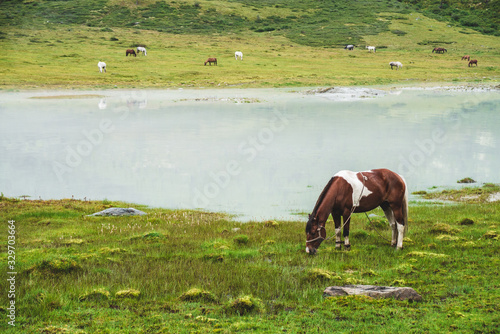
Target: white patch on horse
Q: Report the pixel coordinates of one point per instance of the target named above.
(358, 189)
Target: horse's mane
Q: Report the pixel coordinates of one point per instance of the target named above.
(318, 203)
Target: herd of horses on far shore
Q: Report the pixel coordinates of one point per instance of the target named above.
(239, 55)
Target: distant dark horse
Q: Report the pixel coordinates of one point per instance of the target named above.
(349, 47)
(439, 50)
(472, 62)
(466, 57)
(350, 192)
(210, 61)
(130, 52)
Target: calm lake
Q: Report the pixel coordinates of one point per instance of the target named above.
(258, 153)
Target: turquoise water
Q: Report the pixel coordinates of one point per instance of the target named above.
(257, 153)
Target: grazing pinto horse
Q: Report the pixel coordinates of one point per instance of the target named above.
(466, 57)
(349, 47)
(472, 62)
(130, 52)
(350, 192)
(371, 48)
(238, 54)
(210, 61)
(102, 66)
(396, 64)
(439, 50)
(142, 49)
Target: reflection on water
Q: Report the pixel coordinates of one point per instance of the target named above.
(258, 153)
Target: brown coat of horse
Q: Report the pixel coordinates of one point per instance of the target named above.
(439, 50)
(130, 52)
(210, 61)
(472, 62)
(466, 57)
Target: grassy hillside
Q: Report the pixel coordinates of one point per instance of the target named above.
(315, 23)
(67, 56)
(79, 274)
(57, 44)
(480, 15)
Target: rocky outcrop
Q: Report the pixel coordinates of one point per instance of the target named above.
(374, 291)
(119, 212)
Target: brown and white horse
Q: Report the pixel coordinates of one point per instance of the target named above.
(210, 61)
(350, 192)
(472, 62)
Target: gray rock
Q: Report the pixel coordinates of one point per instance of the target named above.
(374, 291)
(119, 212)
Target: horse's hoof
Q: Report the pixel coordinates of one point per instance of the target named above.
(347, 247)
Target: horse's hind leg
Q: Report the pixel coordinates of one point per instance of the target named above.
(397, 224)
(392, 221)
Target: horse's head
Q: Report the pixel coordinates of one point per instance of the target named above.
(315, 234)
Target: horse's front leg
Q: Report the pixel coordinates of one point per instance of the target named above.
(337, 219)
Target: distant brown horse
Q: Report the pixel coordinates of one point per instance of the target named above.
(472, 62)
(466, 57)
(439, 50)
(130, 52)
(350, 192)
(210, 61)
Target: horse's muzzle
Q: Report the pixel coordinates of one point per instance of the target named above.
(311, 250)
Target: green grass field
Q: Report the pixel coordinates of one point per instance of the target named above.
(176, 271)
(197, 272)
(66, 57)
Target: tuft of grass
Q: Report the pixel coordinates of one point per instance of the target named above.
(245, 305)
(196, 294)
(55, 265)
(99, 294)
(466, 180)
(443, 228)
(466, 221)
(128, 293)
(241, 239)
(317, 274)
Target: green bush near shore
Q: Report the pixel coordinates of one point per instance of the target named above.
(194, 277)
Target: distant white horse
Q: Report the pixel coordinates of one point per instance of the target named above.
(238, 54)
(102, 66)
(142, 49)
(349, 47)
(396, 64)
(371, 48)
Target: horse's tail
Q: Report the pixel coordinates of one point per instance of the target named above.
(405, 209)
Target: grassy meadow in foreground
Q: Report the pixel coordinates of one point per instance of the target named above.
(66, 57)
(197, 272)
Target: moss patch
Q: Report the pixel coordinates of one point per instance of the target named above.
(198, 295)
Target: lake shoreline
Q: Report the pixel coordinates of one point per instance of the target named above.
(494, 85)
